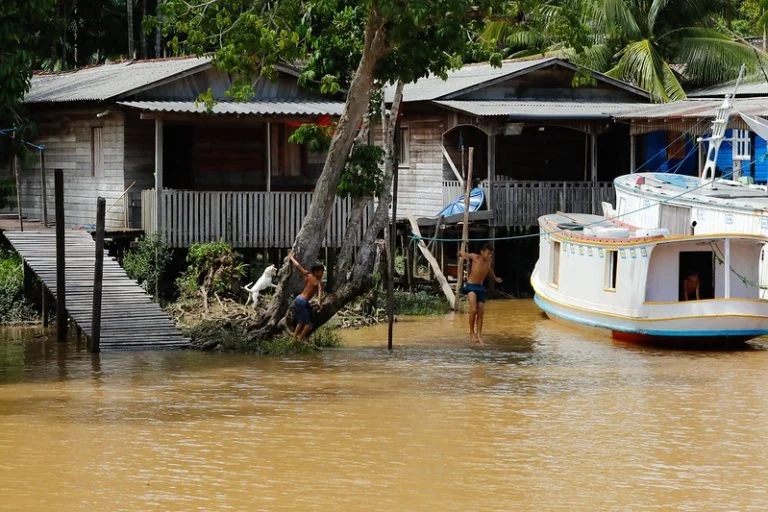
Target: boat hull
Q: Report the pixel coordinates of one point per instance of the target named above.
(703, 330)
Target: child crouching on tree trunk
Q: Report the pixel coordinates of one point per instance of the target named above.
(313, 284)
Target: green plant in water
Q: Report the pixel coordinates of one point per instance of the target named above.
(147, 262)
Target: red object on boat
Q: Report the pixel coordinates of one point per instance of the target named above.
(640, 181)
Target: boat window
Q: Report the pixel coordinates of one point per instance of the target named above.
(697, 270)
(554, 264)
(611, 268)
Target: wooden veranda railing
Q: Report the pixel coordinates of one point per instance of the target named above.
(521, 203)
(242, 219)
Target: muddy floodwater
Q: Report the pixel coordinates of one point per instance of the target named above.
(545, 418)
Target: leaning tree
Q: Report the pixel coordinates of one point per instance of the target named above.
(354, 46)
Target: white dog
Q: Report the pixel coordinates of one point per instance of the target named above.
(264, 282)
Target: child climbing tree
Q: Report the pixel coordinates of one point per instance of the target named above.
(355, 46)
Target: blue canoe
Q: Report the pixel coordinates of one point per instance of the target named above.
(476, 199)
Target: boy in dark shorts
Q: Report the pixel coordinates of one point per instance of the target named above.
(475, 291)
(313, 284)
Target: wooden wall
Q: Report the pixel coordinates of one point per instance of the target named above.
(420, 183)
(67, 137)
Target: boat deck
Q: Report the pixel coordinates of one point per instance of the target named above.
(688, 188)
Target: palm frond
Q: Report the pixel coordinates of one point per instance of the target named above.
(619, 19)
(641, 65)
(597, 57)
(494, 31)
(653, 13)
(711, 60)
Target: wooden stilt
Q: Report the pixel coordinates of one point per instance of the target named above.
(465, 227)
(18, 189)
(61, 287)
(44, 306)
(408, 264)
(98, 276)
(392, 251)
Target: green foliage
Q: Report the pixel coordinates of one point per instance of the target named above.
(655, 44)
(14, 309)
(316, 137)
(212, 267)
(363, 175)
(231, 338)
(147, 262)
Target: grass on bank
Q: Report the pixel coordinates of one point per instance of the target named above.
(14, 309)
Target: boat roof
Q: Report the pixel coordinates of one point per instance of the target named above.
(688, 190)
(586, 227)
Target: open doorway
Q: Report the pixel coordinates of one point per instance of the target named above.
(702, 263)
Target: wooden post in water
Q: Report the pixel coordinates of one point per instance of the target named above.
(464, 229)
(98, 275)
(43, 187)
(392, 251)
(61, 286)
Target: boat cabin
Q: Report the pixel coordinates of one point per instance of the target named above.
(604, 261)
(643, 284)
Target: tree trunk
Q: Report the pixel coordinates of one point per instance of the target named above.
(143, 39)
(129, 7)
(348, 245)
(158, 32)
(310, 237)
(360, 278)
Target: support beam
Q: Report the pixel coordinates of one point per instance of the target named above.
(593, 169)
(465, 227)
(44, 192)
(433, 263)
(269, 156)
(158, 176)
(491, 165)
(18, 189)
(452, 165)
(727, 268)
(632, 154)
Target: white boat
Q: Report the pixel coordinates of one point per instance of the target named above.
(627, 282)
(703, 205)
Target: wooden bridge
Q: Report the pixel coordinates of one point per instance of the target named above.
(130, 320)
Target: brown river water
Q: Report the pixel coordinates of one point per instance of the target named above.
(545, 418)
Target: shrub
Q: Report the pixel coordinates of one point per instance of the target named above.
(415, 303)
(14, 309)
(147, 262)
(212, 267)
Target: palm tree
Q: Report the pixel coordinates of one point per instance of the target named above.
(654, 44)
(662, 41)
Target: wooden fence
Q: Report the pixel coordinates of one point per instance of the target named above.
(521, 203)
(243, 219)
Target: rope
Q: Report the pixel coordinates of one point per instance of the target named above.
(417, 238)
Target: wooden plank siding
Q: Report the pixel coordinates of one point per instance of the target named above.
(419, 188)
(521, 203)
(68, 146)
(243, 219)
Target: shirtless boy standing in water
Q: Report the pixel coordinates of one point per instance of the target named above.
(475, 291)
(313, 283)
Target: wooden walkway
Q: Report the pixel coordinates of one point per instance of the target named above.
(129, 318)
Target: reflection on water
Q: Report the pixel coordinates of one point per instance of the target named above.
(544, 419)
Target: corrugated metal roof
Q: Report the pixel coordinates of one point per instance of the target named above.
(475, 75)
(263, 108)
(696, 108)
(101, 83)
(751, 86)
(542, 109)
(471, 75)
